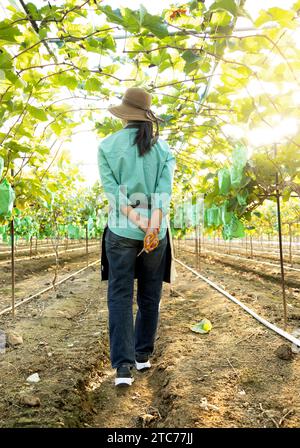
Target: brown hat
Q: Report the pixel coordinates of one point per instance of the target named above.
(135, 105)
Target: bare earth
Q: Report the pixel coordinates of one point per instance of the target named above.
(230, 377)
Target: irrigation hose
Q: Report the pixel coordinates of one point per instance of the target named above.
(251, 260)
(260, 319)
(46, 254)
(21, 302)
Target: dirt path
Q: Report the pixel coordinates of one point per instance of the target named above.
(228, 378)
(265, 292)
(33, 275)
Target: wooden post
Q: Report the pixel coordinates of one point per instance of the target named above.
(251, 246)
(198, 246)
(280, 246)
(30, 253)
(290, 244)
(199, 242)
(87, 244)
(13, 274)
(66, 242)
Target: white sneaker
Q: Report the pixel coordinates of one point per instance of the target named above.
(124, 376)
(142, 363)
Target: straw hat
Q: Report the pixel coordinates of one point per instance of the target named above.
(135, 105)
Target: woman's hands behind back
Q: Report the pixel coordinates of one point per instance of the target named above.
(148, 226)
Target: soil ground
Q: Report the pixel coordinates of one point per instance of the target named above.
(230, 377)
(36, 273)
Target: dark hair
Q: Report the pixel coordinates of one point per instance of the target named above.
(144, 136)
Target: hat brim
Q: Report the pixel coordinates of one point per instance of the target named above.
(128, 112)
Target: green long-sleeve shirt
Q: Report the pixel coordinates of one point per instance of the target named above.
(126, 178)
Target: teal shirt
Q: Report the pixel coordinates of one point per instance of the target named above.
(126, 177)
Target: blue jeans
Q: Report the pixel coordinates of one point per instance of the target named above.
(127, 340)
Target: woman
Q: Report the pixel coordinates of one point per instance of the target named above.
(136, 170)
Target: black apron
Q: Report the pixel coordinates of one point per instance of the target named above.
(168, 265)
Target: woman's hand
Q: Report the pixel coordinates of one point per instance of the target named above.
(151, 240)
(155, 221)
(144, 223)
(154, 230)
(136, 218)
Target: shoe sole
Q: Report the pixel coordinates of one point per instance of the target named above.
(123, 381)
(142, 365)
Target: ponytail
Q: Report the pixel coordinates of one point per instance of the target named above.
(144, 136)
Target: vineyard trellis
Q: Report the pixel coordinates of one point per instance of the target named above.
(59, 69)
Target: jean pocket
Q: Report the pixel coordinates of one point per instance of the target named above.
(113, 239)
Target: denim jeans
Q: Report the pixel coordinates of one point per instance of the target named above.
(127, 339)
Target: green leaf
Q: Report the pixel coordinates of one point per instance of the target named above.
(5, 61)
(109, 43)
(143, 11)
(220, 18)
(156, 25)
(192, 60)
(286, 194)
(195, 4)
(131, 20)
(43, 33)
(8, 32)
(16, 147)
(97, 45)
(33, 11)
(56, 127)
(189, 56)
(227, 5)
(63, 79)
(93, 84)
(113, 15)
(13, 78)
(1, 166)
(35, 112)
(283, 17)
